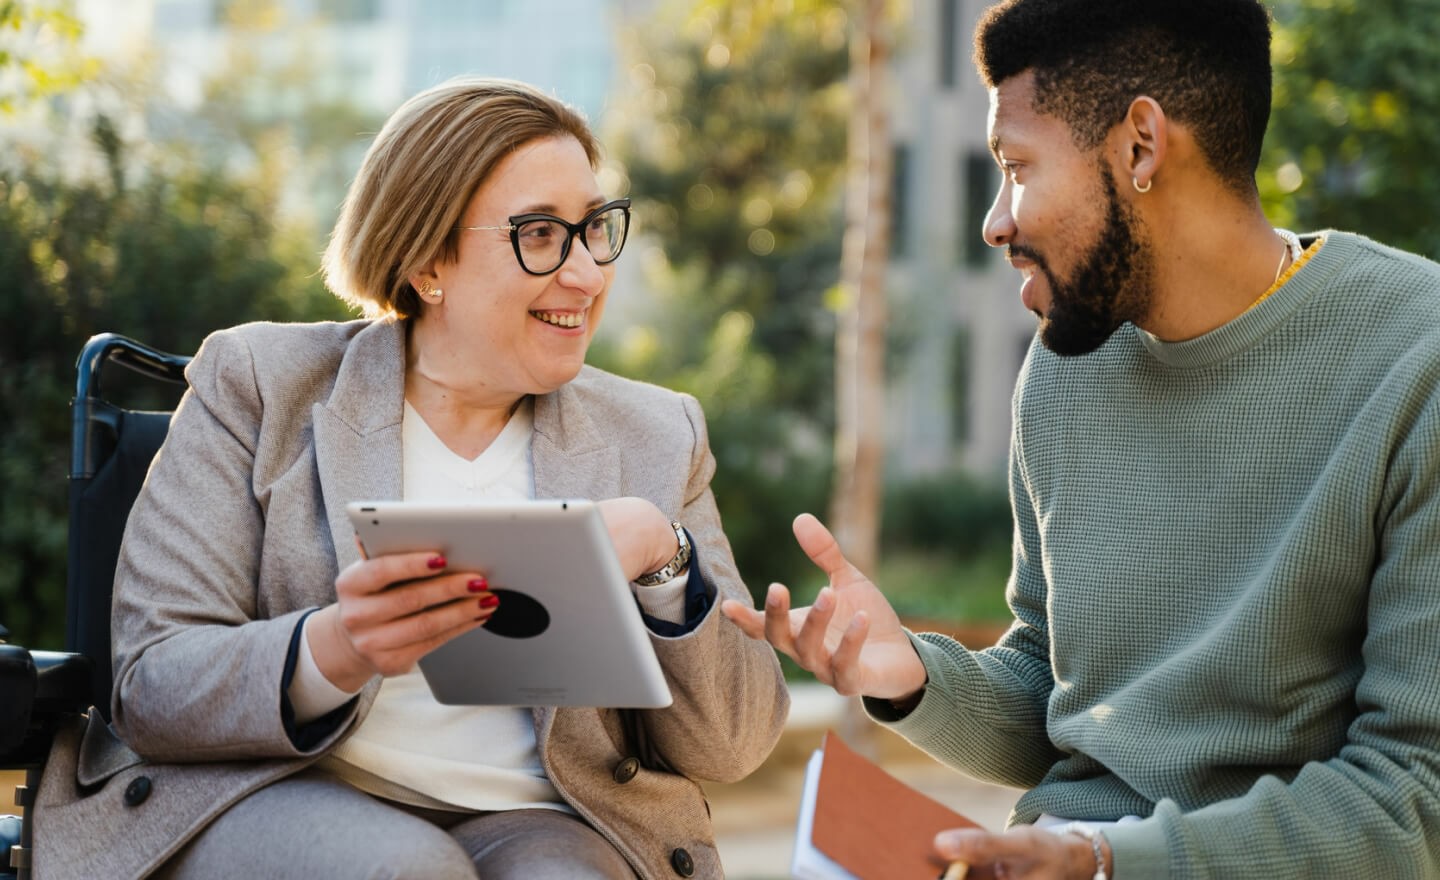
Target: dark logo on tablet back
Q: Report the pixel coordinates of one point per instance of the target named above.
(518, 616)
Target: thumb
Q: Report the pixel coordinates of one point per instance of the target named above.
(820, 545)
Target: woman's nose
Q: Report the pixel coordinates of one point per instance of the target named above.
(581, 272)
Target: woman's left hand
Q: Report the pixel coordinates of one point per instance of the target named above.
(641, 533)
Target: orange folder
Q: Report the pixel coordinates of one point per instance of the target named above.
(869, 823)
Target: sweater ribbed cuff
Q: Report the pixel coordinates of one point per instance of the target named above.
(1138, 849)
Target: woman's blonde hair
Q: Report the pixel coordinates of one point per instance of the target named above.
(423, 168)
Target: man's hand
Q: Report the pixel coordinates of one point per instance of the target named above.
(851, 639)
(1022, 853)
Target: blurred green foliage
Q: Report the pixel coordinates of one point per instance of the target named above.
(163, 252)
(739, 203)
(39, 52)
(1355, 130)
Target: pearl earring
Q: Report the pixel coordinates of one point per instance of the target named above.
(430, 292)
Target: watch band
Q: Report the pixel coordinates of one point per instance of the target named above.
(677, 563)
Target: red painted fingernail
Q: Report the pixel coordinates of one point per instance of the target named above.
(435, 562)
(477, 585)
(489, 601)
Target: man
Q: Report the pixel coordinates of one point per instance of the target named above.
(1225, 474)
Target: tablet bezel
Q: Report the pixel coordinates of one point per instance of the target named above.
(596, 650)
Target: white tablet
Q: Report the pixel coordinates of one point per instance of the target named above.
(567, 631)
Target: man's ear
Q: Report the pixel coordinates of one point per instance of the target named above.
(1143, 135)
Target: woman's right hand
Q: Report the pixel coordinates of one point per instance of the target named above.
(391, 611)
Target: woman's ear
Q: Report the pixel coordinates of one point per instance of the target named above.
(427, 284)
(425, 277)
(1144, 133)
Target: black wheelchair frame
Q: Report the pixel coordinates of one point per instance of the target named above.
(110, 452)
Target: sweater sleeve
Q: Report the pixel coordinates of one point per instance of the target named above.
(984, 712)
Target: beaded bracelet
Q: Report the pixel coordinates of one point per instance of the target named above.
(1095, 837)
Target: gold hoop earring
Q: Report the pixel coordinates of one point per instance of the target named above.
(434, 294)
(1135, 182)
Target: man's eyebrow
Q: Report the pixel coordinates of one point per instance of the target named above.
(995, 146)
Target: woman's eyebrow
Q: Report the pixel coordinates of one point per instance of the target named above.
(548, 208)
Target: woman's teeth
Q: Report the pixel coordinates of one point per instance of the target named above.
(561, 319)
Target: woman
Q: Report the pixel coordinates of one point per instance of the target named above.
(268, 718)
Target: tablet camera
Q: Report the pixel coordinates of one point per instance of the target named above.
(518, 616)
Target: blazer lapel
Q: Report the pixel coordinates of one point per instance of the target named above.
(357, 430)
(573, 459)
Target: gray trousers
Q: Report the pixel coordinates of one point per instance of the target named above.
(313, 827)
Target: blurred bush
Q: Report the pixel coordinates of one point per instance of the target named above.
(153, 247)
(956, 514)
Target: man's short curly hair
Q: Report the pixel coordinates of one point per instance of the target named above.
(1207, 62)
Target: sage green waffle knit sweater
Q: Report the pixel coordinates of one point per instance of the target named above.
(1226, 589)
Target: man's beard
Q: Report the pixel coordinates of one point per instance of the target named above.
(1111, 286)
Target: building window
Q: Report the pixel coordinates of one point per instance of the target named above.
(900, 201)
(960, 387)
(978, 183)
(949, 41)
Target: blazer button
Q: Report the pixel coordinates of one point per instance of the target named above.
(626, 770)
(137, 791)
(682, 863)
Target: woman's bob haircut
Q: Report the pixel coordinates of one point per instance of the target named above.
(423, 168)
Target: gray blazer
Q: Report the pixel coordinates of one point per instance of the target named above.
(241, 529)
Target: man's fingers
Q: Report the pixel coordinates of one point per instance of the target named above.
(976, 846)
(970, 845)
(819, 545)
(750, 621)
(810, 648)
(845, 667)
(777, 620)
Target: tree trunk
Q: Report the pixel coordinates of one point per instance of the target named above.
(860, 331)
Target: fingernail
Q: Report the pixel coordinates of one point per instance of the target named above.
(489, 601)
(822, 601)
(435, 562)
(477, 585)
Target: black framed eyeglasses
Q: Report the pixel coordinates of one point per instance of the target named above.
(542, 241)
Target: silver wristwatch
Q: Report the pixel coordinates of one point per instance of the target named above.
(672, 568)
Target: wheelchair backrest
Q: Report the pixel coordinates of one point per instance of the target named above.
(110, 452)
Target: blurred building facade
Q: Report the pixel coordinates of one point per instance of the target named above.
(955, 307)
(955, 301)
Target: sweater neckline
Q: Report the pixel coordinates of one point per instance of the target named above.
(1254, 325)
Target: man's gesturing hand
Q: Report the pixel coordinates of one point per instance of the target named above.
(851, 639)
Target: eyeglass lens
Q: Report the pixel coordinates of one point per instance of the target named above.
(544, 244)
